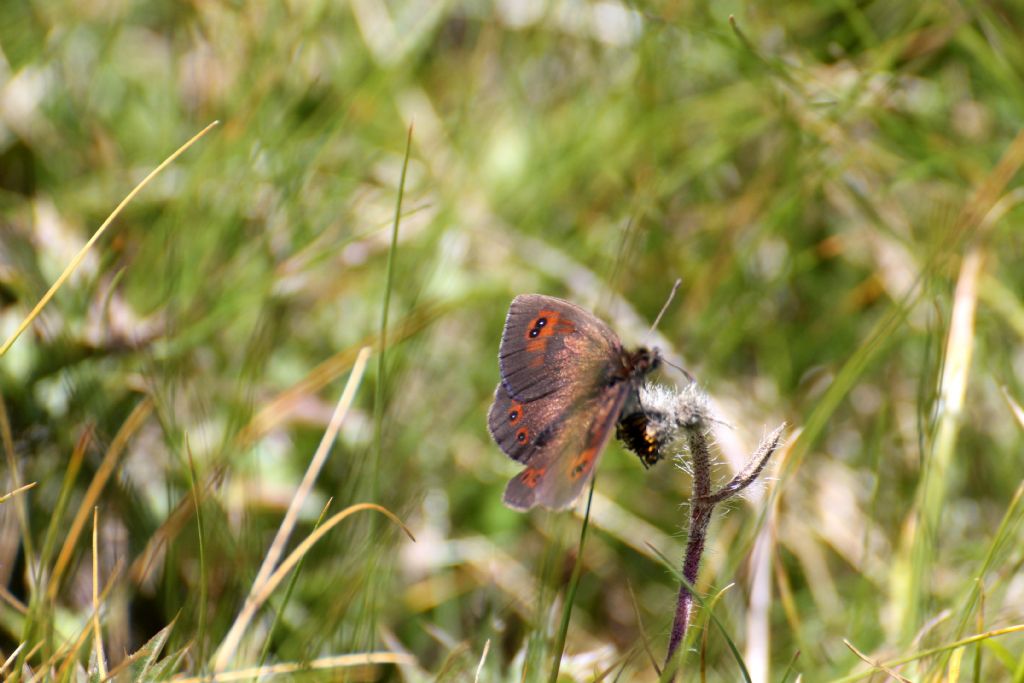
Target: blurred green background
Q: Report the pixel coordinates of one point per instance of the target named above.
(824, 178)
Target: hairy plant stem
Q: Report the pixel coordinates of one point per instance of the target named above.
(702, 505)
(700, 518)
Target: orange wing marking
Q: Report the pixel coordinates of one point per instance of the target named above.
(532, 476)
(540, 330)
(581, 463)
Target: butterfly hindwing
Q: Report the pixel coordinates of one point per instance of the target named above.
(557, 471)
(521, 428)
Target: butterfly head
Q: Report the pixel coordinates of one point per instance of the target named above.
(643, 361)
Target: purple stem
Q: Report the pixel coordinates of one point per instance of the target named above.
(702, 505)
(700, 517)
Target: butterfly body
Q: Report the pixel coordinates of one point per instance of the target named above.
(637, 430)
(565, 378)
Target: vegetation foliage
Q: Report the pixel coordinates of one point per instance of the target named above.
(836, 183)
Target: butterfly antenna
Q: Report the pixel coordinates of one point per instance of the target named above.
(668, 301)
(686, 373)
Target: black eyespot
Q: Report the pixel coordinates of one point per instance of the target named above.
(513, 415)
(521, 437)
(541, 322)
(534, 332)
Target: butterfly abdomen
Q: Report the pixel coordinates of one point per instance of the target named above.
(637, 433)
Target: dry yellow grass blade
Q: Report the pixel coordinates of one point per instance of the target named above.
(7, 662)
(1018, 412)
(321, 664)
(69, 647)
(103, 474)
(977, 638)
(8, 598)
(234, 636)
(281, 406)
(97, 642)
(955, 664)
(952, 395)
(483, 658)
(878, 665)
(7, 440)
(261, 592)
(96, 235)
(296, 555)
(20, 489)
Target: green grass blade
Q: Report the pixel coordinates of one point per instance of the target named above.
(669, 672)
(570, 595)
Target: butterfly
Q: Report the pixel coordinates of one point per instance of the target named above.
(565, 379)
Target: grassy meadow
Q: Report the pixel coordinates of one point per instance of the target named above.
(836, 183)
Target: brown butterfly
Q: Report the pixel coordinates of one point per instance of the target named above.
(565, 379)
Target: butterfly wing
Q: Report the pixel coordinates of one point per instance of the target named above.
(554, 408)
(550, 346)
(523, 428)
(559, 466)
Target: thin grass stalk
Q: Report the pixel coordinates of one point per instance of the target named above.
(978, 646)
(7, 440)
(878, 665)
(18, 491)
(101, 664)
(570, 596)
(937, 468)
(66, 489)
(931, 652)
(319, 664)
(378, 395)
(370, 601)
(643, 633)
(1002, 544)
(77, 260)
(705, 631)
(538, 642)
(96, 486)
(483, 659)
(203, 576)
(790, 668)
(10, 659)
(265, 652)
(70, 647)
(234, 635)
(296, 555)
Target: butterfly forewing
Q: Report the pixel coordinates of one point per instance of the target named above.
(550, 345)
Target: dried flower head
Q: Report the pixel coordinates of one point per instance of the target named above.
(657, 417)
